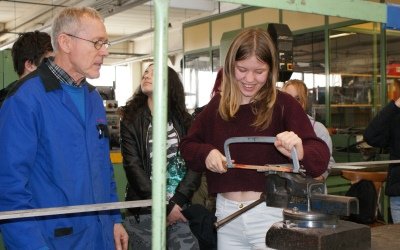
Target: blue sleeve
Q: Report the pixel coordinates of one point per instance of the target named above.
(116, 214)
(18, 136)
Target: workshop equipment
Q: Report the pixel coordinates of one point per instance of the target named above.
(311, 218)
(112, 115)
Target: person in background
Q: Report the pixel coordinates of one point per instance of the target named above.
(27, 54)
(298, 90)
(54, 149)
(215, 90)
(136, 148)
(201, 214)
(249, 105)
(201, 196)
(383, 131)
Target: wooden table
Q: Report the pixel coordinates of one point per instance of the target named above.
(386, 237)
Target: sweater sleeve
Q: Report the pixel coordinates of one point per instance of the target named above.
(192, 146)
(316, 152)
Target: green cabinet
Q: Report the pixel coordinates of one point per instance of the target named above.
(7, 73)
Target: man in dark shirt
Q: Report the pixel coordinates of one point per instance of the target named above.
(383, 132)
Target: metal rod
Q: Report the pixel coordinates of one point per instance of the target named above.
(227, 219)
(361, 163)
(73, 209)
(160, 129)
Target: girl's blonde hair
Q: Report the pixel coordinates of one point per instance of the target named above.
(301, 88)
(249, 42)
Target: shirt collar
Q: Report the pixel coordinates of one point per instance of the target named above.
(61, 75)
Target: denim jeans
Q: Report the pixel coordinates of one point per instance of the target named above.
(247, 231)
(395, 208)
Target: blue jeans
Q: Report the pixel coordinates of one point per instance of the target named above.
(395, 208)
(247, 231)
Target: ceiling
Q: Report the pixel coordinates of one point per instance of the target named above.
(129, 23)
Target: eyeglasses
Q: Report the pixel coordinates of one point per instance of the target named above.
(97, 44)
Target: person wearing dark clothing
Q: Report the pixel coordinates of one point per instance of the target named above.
(27, 54)
(136, 149)
(201, 214)
(384, 132)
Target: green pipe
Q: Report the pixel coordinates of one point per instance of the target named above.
(159, 125)
(328, 117)
(383, 64)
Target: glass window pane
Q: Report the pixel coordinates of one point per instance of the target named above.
(354, 56)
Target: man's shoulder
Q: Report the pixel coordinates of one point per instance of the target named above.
(18, 84)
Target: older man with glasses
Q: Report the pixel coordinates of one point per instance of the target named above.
(54, 147)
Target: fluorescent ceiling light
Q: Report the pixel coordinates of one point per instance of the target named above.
(342, 34)
(131, 36)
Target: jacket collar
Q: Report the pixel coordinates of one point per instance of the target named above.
(50, 81)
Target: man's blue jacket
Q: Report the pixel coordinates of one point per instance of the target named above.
(51, 157)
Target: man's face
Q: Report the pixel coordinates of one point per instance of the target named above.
(85, 59)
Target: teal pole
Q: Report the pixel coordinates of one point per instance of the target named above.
(159, 125)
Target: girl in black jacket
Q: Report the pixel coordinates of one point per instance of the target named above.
(136, 149)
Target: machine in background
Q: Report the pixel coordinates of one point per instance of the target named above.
(111, 107)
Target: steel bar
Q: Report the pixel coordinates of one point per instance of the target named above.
(72, 209)
(227, 219)
(160, 93)
(363, 163)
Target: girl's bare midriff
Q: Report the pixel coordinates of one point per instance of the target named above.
(242, 196)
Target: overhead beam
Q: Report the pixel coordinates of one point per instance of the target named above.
(203, 5)
(353, 9)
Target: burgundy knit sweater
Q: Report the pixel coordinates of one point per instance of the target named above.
(209, 132)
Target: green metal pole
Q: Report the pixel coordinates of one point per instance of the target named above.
(383, 63)
(328, 117)
(159, 125)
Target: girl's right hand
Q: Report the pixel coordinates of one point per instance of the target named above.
(215, 162)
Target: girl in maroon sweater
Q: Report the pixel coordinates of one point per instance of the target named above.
(250, 105)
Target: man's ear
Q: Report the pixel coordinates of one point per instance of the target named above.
(64, 43)
(29, 66)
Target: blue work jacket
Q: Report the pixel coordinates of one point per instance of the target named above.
(51, 157)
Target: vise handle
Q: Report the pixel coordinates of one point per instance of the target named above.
(230, 217)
